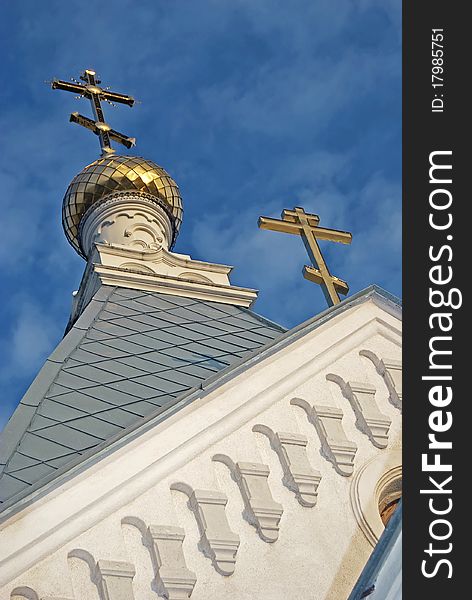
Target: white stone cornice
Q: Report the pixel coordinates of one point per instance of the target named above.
(167, 284)
(157, 256)
(158, 270)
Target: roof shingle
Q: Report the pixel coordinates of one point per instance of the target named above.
(133, 353)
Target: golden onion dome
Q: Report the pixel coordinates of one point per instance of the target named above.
(113, 174)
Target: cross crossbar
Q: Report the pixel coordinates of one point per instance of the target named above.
(298, 222)
(90, 89)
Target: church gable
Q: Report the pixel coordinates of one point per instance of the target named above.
(266, 482)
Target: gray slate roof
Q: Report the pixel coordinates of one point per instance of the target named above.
(129, 354)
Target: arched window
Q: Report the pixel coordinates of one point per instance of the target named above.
(375, 491)
(389, 498)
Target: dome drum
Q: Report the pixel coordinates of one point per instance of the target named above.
(128, 219)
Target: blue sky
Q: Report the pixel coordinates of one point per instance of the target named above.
(251, 105)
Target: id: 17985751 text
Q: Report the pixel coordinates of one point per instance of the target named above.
(437, 70)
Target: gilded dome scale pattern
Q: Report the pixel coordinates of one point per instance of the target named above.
(111, 174)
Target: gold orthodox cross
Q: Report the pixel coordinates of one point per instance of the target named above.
(90, 90)
(298, 222)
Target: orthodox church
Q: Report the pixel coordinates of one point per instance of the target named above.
(176, 444)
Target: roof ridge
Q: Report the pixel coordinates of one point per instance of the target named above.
(265, 320)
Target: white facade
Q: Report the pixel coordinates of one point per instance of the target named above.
(264, 484)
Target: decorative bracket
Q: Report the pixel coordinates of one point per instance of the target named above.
(390, 370)
(299, 475)
(335, 446)
(217, 541)
(114, 579)
(175, 581)
(369, 418)
(261, 510)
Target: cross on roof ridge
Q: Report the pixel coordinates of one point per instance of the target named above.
(306, 225)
